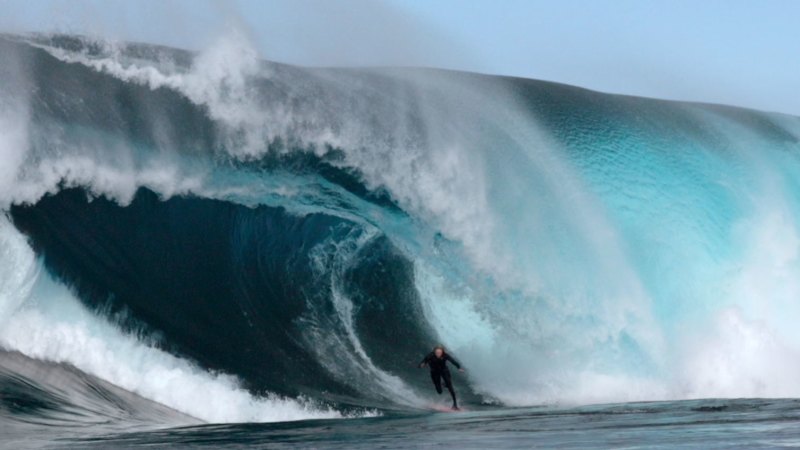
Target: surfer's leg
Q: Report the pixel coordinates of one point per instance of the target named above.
(449, 384)
(437, 381)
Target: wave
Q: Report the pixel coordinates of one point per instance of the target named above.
(48, 323)
(293, 239)
(274, 299)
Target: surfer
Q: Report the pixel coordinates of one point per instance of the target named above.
(437, 361)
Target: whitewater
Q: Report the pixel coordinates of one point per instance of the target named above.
(214, 238)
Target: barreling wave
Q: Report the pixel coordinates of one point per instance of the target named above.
(290, 240)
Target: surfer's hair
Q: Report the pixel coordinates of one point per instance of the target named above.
(440, 346)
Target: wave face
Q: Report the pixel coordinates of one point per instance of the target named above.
(292, 240)
(40, 396)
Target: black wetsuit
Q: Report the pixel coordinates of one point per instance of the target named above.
(439, 370)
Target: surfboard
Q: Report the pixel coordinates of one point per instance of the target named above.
(444, 408)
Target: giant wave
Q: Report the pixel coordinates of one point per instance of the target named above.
(288, 241)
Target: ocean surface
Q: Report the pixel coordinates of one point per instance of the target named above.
(215, 250)
(73, 410)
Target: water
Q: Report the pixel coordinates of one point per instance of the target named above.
(685, 424)
(744, 423)
(290, 242)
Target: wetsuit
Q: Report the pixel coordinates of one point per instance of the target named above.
(439, 370)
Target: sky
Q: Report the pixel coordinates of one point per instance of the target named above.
(738, 52)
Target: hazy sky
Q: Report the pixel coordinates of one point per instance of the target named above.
(741, 52)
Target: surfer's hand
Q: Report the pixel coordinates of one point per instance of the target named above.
(460, 369)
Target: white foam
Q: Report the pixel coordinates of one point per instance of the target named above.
(738, 357)
(520, 361)
(13, 148)
(18, 271)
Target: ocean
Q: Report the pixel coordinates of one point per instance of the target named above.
(210, 249)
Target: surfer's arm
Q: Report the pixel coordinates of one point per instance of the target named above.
(453, 360)
(425, 360)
